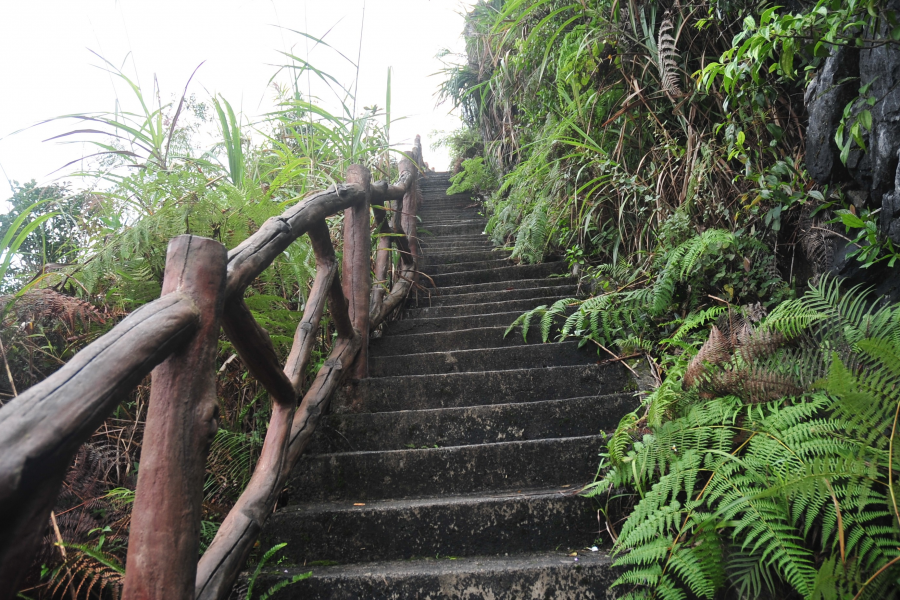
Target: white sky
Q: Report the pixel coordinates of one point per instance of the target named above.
(46, 69)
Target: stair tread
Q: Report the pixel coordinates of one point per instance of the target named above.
(515, 425)
(551, 574)
(378, 474)
(467, 425)
(477, 360)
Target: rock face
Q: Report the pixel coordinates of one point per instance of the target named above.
(871, 179)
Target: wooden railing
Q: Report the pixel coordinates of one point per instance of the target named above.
(203, 289)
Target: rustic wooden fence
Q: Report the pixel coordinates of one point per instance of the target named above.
(204, 286)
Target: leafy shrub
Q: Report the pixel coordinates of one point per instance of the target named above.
(475, 177)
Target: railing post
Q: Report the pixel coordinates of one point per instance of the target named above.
(357, 276)
(181, 422)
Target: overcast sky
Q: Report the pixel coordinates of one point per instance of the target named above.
(47, 69)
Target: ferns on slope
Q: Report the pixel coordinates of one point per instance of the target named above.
(779, 495)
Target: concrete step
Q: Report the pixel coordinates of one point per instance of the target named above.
(435, 226)
(452, 230)
(478, 265)
(463, 339)
(462, 257)
(443, 200)
(549, 575)
(518, 284)
(452, 525)
(457, 470)
(482, 244)
(511, 293)
(445, 324)
(501, 274)
(428, 236)
(432, 240)
(453, 210)
(416, 392)
(487, 308)
(482, 359)
(453, 218)
(488, 424)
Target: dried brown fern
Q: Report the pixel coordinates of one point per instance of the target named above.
(47, 306)
(733, 361)
(714, 351)
(86, 571)
(667, 55)
(817, 240)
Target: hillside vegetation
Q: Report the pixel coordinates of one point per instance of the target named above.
(663, 150)
(75, 263)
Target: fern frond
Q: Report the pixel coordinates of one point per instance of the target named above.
(666, 53)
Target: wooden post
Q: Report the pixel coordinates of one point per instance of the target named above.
(181, 422)
(357, 277)
(42, 429)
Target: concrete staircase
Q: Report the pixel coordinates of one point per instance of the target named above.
(452, 471)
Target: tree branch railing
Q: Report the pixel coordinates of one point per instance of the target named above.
(176, 337)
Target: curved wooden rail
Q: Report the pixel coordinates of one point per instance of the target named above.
(41, 429)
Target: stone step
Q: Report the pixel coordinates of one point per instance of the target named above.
(461, 257)
(481, 244)
(445, 324)
(488, 424)
(548, 575)
(518, 284)
(459, 211)
(512, 293)
(452, 230)
(442, 199)
(482, 359)
(462, 339)
(433, 270)
(435, 226)
(449, 207)
(452, 217)
(457, 470)
(487, 308)
(416, 392)
(464, 217)
(453, 213)
(429, 239)
(451, 525)
(501, 274)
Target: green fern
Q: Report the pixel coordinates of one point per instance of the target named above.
(251, 583)
(789, 494)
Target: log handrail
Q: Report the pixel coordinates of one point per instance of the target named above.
(175, 337)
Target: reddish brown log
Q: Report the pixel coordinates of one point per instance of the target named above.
(41, 429)
(257, 252)
(383, 192)
(285, 441)
(382, 260)
(255, 348)
(357, 280)
(181, 422)
(305, 337)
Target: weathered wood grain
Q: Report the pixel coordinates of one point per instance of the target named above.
(41, 430)
(256, 253)
(182, 419)
(356, 277)
(285, 441)
(305, 337)
(254, 346)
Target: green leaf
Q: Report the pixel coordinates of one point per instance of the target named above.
(865, 117)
